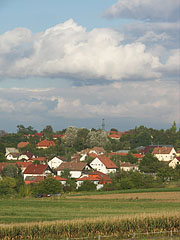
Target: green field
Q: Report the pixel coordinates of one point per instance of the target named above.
(78, 207)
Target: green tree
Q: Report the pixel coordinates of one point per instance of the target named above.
(87, 186)
(150, 164)
(49, 186)
(9, 171)
(7, 186)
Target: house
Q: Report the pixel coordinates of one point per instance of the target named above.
(55, 162)
(127, 166)
(76, 168)
(175, 162)
(26, 156)
(37, 170)
(45, 144)
(116, 135)
(23, 165)
(56, 136)
(33, 179)
(42, 160)
(97, 150)
(178, 153)
(164, 153)
(104, 164)
(12, 154)
(22, 144)
(96, 177)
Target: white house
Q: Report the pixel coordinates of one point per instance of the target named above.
(175, 162)
(164, 153)
(76, 168)
(127, 166)
(26, 156)
(104, 164)
(55, 162)
(12, 154)
(36, 170)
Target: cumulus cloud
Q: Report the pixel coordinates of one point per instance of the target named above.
(68, 50)
(138, 100)
(153, 10)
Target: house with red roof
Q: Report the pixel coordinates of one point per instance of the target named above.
(103, 164)
(96, 177)
(37, 170)
(127, 166)
(175, 162)
(41, 160)
(45, 144)
(164, 153)
(23, 165)
(56, 161)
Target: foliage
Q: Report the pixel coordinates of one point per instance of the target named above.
(150, 164)
(7, 186)
(97, 138)
(87, 186)
(47, 186)
(9, 171)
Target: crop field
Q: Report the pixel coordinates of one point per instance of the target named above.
(77, 207)
(104, 213)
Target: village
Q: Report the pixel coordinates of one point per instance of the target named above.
(93, 165)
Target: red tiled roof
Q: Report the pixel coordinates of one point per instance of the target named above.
(137, 155)
(46, 143)
(162, 150)
(23, 164)
(35, 169)
(107, 162)
(39, 134)
(60, 178)
(22, 144)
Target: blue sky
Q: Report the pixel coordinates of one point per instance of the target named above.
(76, 62)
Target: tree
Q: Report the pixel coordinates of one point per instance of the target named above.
(150, 164)
(97, 138)
(87, 186)
(71, 135)
(49, 186)
(9, 171)
(48, 131)
(66, 173)
(7, 186)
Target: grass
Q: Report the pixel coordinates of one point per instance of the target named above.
(79, 207)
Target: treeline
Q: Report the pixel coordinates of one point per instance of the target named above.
(78, 139)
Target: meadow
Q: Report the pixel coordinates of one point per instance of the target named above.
(95, 214)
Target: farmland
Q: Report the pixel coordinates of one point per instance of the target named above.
(91, 212)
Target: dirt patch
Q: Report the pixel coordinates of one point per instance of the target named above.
(166, 196)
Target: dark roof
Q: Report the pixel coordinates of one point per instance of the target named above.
(72, 166)
(36, 169)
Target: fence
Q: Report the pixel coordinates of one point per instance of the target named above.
(169, 235)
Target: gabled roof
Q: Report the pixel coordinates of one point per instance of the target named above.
(96, 176)
(46, 143)
(35, 169)
(28, 154)
(107, 162)
(22, 144)
(162, 150)
(126, 164)
(11, 150)
(98, 150)
(72, 166)
(39, 134)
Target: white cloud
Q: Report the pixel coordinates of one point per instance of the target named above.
(154, 10)
(68, 50)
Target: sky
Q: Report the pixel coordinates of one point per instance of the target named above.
(73, 63)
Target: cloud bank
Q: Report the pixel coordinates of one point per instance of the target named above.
(69, 51)
(151, 10)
